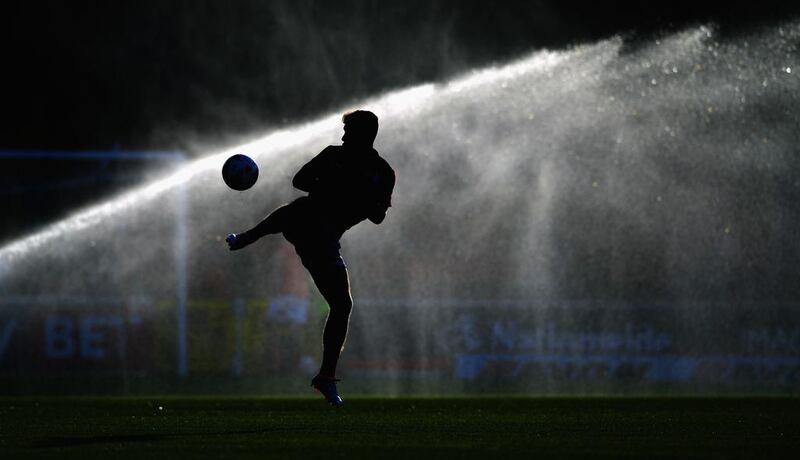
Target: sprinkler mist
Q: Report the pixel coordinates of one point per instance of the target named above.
(579, 202)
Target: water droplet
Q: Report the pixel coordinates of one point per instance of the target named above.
(653, 82)
(788, 70)
(160, 407)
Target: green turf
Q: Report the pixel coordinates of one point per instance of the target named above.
(399, 428)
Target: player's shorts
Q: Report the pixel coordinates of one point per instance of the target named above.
(315, 240)
(315, 260)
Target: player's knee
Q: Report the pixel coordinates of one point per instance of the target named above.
(344, 306)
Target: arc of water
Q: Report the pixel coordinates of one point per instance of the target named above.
(406, 102)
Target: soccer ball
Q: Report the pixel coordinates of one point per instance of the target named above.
(240, 172)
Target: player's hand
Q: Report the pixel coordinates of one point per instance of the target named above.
(236, 241)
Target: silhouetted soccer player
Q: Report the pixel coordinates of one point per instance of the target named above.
(346, 184)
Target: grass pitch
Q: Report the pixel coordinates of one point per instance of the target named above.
(191, 427)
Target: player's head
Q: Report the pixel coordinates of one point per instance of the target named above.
(360, 127)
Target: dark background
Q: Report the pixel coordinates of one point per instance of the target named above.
(173, 75)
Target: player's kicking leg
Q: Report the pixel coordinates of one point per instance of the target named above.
(275, 222)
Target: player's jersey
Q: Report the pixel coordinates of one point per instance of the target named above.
(347, 185)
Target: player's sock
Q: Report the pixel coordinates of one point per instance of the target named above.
(332, 341)
(330, 359)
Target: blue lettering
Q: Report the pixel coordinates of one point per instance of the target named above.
(58, 337)
(92, 339)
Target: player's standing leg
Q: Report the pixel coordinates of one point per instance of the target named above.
(334, 285)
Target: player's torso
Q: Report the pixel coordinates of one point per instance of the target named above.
(352, 177)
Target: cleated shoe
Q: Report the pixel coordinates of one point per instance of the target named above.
(327, 386)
